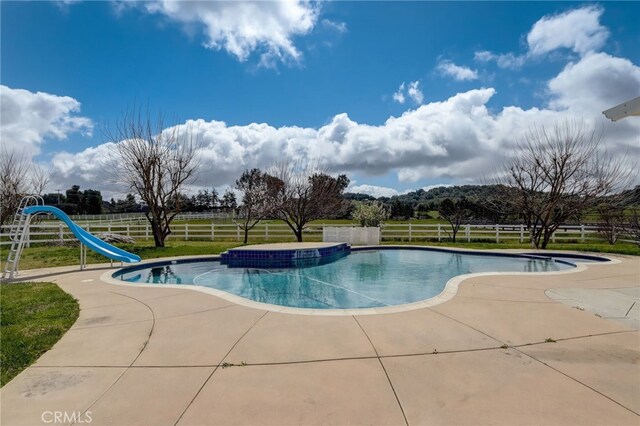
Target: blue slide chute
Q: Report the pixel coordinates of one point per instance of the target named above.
(89, 240)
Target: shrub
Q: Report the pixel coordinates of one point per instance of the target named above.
(370, 213)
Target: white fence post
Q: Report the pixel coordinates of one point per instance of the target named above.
(60, 233)
(521, 233)
(186, 232)
(582, 233)
(468, 231)
(410, 236)
(439, 232)
(497, 233)
(266, 231)
(128, 231)
(146, 231)
(212, 232)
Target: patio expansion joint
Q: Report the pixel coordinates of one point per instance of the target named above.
(217, 367)
(383, 369)
(144, 346)
(564, 339)
(319, 360)
(577, 381)
(515, 348)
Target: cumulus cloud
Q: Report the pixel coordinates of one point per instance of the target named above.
(244, 27)
(373, 190)
(459, 139)
(578, 30)
(27, 119)
(595, 83)
(458, 72)
(411, 90)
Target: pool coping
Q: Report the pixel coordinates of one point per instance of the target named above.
(448, 292)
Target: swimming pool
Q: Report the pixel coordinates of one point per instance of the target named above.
(371, 278)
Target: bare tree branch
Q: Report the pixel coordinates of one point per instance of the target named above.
(156, 163)
(304, 192)
(557, 174)
(19, 176)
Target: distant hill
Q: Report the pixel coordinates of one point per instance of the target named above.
(421, 196)
(481, 192)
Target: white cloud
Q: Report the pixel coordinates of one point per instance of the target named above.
(244, 27)
(373, 190)
(415, 93)
(411, 90)
(27, 119)
(596, 82)
(457, 140)
(504, 60)
(340, 27)
(399, 95)
(578, 30)
(459, 73)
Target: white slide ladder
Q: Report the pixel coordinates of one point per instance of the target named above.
(18, 234)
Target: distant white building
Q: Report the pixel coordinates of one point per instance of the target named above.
(623, 110)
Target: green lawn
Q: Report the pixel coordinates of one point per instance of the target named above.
(34, 317)
(48, 256)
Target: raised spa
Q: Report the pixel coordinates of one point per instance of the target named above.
(363, 278)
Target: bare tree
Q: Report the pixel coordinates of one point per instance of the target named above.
(558, 173)
(612, 215)
(157, 164)
(19, 176)
(303, 193)
(632, 226)
(257, 202)
(456, 213)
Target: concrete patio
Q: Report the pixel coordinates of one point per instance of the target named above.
(502, 351)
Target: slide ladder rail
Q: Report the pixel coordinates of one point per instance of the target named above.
(18, 233)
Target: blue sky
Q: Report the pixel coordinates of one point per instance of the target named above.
(398, 95)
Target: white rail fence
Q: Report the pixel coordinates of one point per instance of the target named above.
(59, 233)
(140, 217)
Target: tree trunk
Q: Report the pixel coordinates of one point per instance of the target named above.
(298, 233)
(246, 235)
(158, 235)
(545, 239)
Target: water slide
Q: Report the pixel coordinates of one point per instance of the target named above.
(89, 240)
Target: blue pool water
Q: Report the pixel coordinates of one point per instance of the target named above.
(362, 279)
